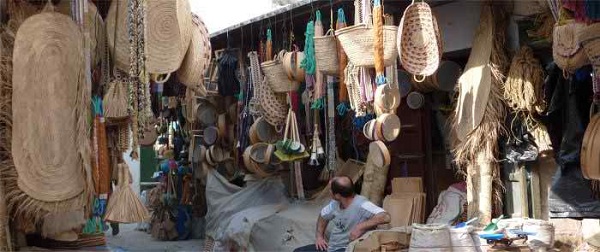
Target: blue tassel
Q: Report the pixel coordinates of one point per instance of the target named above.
(380, 79)
(343, 108)
(359, 122)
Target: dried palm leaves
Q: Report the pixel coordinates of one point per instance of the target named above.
(476, 152)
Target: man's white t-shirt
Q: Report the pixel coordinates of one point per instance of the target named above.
(344, 220)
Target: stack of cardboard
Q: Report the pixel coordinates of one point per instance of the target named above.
(406, 204)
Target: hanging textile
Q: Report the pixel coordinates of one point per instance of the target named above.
(229, 85)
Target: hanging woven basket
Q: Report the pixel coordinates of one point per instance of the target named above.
(116, 34)
(326, 54)
(419, 41)
(276, 76)
(357, 41)
(95, 28)
(194, 65)
(167, 34)
(567, 52)
(590, 150)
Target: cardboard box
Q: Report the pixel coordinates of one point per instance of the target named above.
(407, 185)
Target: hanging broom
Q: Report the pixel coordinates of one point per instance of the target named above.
(124, 206)
(319, 90)
(343, 107)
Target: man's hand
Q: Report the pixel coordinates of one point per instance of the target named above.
(356, 233)
(321, 244)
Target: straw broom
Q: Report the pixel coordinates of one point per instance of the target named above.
(124, 206)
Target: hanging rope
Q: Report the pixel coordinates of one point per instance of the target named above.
(343, 107)
(269, 46)
(378, 42)
(309, 63)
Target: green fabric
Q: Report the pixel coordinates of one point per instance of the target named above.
(309, 63)
(148, 163)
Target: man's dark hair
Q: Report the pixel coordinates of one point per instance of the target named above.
(343, 186)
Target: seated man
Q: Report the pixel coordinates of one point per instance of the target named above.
(351, 215)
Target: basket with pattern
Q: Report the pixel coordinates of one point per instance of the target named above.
(419, 40)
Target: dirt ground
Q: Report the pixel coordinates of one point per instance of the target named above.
(130, 240)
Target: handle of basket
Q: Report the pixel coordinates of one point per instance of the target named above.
(420, 79)
(330, 32)
(155, 78)
(594, 109)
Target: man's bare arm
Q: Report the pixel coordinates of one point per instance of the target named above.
(376, 220)
(321, 226)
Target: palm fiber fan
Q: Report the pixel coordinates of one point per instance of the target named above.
(124, 206)
(50, 141)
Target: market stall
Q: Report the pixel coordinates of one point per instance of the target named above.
(474, 124)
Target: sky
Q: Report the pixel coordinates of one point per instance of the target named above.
(220, 14)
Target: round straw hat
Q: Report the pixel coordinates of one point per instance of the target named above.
(590, 150)
(419, 41)
(117, 35)
(390, 126)
(168, 31)
(94, 26)
(48, 148)
(380, 155)
(194, 65)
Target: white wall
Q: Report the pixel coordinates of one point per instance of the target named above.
(458, 22)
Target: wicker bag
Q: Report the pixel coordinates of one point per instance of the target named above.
(195, 63)
(168, 31)
(326, 54)
(276, 75)
(357, 41)
(568, 54)
(419, 41)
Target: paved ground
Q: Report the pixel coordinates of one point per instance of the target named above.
(131, 240)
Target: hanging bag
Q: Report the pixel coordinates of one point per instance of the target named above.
(419, 41)
(567, 52)
(326, 53)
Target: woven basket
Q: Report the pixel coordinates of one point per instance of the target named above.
(357, 41)
(566, 49)
(419, 41)
(274, 106)
(590, 150)
(192, 70)
(326, 54)
(95, 28)
(276, 76)
(50, 134)
(118, 41)
(167, 32)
